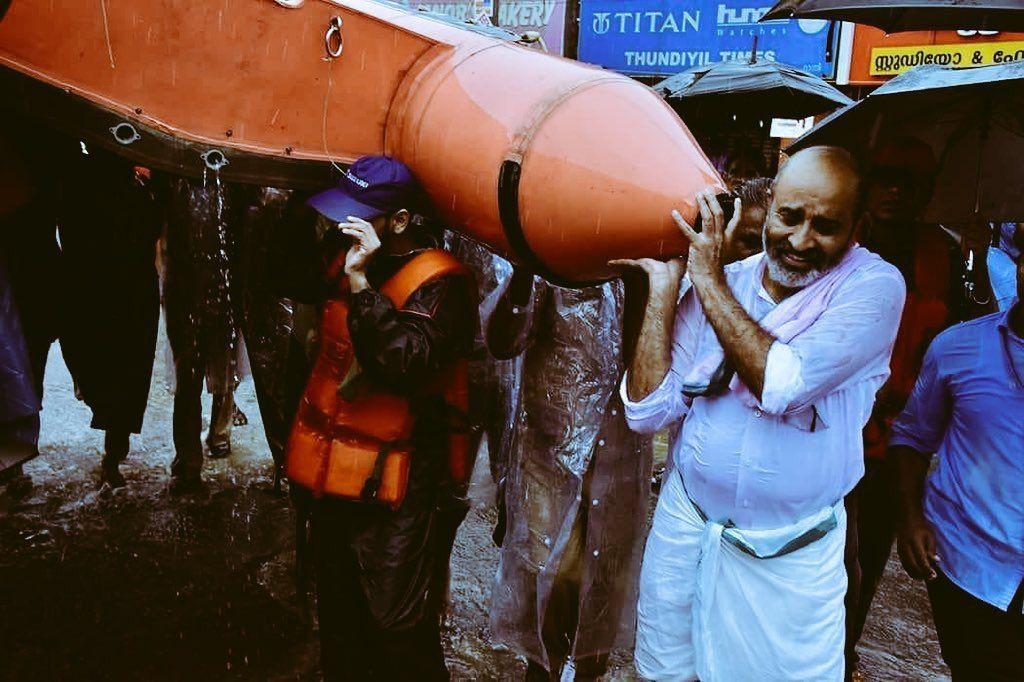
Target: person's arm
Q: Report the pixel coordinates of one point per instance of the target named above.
(652, 357)
(855, 334)
(917, 433)
(745, 342)
(915, 542)
(508, 325)
(404, 347)
(853, 338)
(651, 390)
(1003, 275)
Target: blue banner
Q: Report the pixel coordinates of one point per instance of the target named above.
(664, 37)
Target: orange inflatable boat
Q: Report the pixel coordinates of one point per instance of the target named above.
(555, 164)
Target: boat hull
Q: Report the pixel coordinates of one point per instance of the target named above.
(555, 164)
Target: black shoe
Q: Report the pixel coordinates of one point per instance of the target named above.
(186, 485)
(238, 417)
(110, 475)
(19, 486)
(535, 672)
(220, 451)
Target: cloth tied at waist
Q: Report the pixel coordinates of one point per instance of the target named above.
(761, 544)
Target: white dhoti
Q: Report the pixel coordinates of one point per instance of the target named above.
(709, 610)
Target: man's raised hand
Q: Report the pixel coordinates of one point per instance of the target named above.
(365, 244)
(705, 255)
(663, 277)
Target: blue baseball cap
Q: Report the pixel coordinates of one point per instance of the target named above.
(372, 186)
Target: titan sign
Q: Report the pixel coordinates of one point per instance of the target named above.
(659, 37)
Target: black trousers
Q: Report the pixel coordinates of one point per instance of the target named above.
(191, 351)
(378, 593)
(871, 515)
(188, 423)
(978, 641)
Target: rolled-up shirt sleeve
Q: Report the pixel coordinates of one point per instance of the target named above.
(666, 404)
(851, 340)
(922, 424)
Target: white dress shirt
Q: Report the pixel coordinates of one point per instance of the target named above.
(800, 448)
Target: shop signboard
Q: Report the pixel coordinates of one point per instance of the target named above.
(663, 37)
(790, 128)
(546, 17)
(876, 57)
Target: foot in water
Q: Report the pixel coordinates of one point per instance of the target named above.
(111, 476)
(187, 485)
(218, 450)
(115, 450)
(17, 485)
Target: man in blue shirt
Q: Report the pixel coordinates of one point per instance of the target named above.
(962, 525)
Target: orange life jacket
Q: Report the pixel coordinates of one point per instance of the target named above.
(351, 437)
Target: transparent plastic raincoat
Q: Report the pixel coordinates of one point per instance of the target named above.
(199, 288)
(578, 484)
(268, 318)
(494, 384)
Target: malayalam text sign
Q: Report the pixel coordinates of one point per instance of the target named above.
(890, 61)
(660, 38)
(876, 57)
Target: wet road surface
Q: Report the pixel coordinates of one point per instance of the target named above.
(139, 585)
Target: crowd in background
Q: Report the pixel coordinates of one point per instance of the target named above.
(805, 389)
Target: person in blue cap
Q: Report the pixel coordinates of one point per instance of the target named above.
(381, 564)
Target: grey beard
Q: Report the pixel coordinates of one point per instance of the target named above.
(785, 277)
(789, 279)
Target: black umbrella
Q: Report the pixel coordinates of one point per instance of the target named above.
(973, 119)
(893, 16)
(764, 88)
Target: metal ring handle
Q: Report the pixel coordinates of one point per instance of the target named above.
(214, 159)
(125, 133)
(334, 35)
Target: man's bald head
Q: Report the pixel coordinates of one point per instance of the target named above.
(831, 171)
(816, 204)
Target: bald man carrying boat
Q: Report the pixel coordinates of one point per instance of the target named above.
(766, 370)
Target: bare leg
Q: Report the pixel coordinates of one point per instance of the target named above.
(221, 419)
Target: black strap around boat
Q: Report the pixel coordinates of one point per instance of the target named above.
(508, 211)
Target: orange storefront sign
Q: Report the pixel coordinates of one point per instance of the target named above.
(876, 57)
